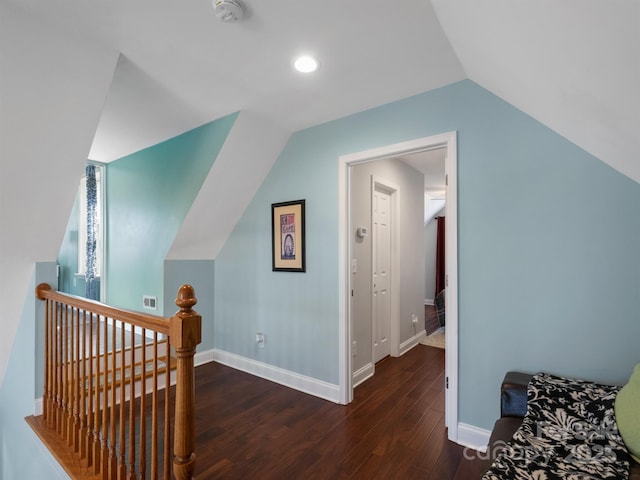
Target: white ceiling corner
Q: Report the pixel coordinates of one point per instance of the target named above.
(572, 65)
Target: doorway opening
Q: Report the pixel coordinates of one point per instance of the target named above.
(347, 228)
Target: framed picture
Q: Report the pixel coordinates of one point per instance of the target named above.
(287, 224)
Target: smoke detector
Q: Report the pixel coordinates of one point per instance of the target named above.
(228, 10)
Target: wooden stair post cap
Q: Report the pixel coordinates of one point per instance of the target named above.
(186, 298)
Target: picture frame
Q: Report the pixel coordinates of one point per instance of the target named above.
(288, 236)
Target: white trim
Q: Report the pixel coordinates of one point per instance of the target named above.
(365, 373)
(345, 377)
(473, 437)
(429, 301)
(448, 140)
(302, 383)
(412, 342)
(38, 409)
(451, 293)
(206, 356)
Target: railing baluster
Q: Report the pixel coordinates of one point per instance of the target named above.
(113, 463)
(75, 314)
(69, 369)
(97, 460)
(143, 405)
(84, 368)
(65, 382)
(154, 411)
(82, 385)
(105, 401)
(122, 464)
(132, 411)
(69, 341)
(90, 387)
(59, 369)
(167, 413)
(46, 404)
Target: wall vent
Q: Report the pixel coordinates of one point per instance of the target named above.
(150, 302)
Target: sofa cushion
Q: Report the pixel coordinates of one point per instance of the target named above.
(502, 432)
(627, 410)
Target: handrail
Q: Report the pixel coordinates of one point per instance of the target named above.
(95, 371)
(139, 319)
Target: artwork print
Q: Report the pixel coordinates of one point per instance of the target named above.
(288, 236)
(288, 233)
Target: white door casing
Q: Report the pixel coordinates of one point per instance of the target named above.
(449, 141)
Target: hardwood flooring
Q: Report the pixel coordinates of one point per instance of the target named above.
(248, 427)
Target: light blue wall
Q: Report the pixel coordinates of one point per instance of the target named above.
(200, 275)
(22, 454)
(549, 264)
(148, 195)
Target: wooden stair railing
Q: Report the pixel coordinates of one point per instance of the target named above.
(103, 414)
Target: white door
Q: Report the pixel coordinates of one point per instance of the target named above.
(381, 294)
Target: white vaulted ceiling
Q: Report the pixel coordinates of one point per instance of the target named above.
(572, 65)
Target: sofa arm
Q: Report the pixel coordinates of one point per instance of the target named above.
(513, 394)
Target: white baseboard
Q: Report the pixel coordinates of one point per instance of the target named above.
(363, 374)
(429, 301)
(200, 358)
(412, 342)
(473, 437)
(302, 383)
(38, 408)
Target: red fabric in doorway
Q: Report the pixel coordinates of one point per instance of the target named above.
(440, 275)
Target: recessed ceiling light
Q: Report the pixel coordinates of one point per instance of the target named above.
(305, 64)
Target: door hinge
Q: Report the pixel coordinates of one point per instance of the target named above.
(446, 382)
(446, 179)
(352, 293)
(446, 280)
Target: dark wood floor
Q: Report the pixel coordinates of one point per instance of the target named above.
(248, 427)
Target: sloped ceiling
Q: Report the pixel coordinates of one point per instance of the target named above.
(572, 65)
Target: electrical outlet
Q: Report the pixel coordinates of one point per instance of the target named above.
(260, 340)
(414, 319)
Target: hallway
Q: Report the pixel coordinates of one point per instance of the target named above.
(249, 427)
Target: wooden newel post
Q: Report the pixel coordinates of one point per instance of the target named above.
(185, 333)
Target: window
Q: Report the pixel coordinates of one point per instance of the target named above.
(91, 229)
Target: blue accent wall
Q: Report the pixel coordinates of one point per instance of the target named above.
(148, 196)
(549, 265)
